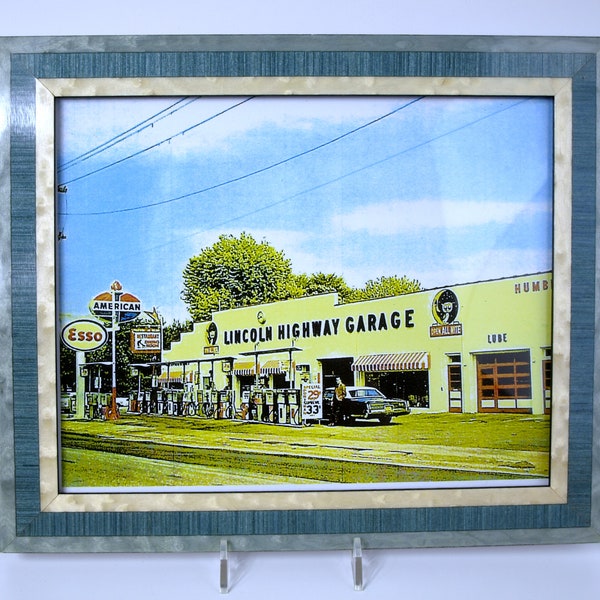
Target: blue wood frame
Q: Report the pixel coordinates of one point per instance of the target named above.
(25, 528)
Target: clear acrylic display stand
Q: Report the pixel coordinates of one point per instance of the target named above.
(223, 569)
(357, 566)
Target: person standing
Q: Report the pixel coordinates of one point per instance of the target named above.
(339, 396)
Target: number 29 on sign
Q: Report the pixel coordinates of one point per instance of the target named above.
(312, 401)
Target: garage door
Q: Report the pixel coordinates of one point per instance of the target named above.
(504, 382)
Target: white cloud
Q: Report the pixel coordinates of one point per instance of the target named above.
(397, 216)
(484, 265)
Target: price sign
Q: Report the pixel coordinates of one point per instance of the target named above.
(312, 401)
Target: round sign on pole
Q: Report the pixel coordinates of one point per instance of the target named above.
(84, 335)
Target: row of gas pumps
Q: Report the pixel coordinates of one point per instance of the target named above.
(193, 395)
(186, 402)
(277, 406)
(195, 398)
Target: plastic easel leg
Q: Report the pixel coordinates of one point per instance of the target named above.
(223, 569)
(357, 565)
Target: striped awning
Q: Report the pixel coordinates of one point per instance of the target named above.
(275, 367)
(244, 367)
(404, 361)
(272, 367)
(176, 376)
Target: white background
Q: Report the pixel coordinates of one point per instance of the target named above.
(547, 573)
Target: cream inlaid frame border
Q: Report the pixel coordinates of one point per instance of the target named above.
(54, 501)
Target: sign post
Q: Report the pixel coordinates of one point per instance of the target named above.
(82, 336)
(112, 411)
(117, 307)
(79, 385)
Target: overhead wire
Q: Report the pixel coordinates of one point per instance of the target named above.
(155, 145)
(342, 177)
(255, 172)
(323, 184)
(124, 135)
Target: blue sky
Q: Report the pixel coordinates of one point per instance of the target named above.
(444, 190)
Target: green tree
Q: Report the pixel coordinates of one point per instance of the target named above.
(125, 358)
(383, 287)
(172, 332)
(235, 272)
(324, 283)
(67, 365)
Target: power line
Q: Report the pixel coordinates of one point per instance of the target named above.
(156, 145)
(344, 176)
(257, 171)
(121, 137)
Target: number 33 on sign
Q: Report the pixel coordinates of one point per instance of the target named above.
(312, 401)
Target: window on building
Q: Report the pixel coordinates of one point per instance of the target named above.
(547, 380)
(408, 385)
(455, 378)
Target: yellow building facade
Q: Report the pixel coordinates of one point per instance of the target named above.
(479, 347)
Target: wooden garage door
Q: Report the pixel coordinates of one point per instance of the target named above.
(503, 379)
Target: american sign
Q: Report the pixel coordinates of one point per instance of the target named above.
(127, 308)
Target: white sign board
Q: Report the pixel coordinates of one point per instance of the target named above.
(144, 341)
(312, 401)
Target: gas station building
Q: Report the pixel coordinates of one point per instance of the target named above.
(472, 348)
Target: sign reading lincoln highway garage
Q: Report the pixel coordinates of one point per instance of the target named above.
(304, 293)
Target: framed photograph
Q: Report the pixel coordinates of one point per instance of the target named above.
(292, 291)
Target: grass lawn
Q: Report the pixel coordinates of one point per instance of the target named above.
(151, 450)
(90, 468)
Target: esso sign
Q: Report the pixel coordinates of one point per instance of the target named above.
(84, 335)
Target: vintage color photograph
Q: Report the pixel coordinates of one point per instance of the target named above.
(304, 292)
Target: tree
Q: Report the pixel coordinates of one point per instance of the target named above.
(383, 287)
(324, 283)
(172, 332)
(67, 365)
(236, 272)
(125, 358)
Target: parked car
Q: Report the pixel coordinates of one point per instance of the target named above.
(365, 403)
